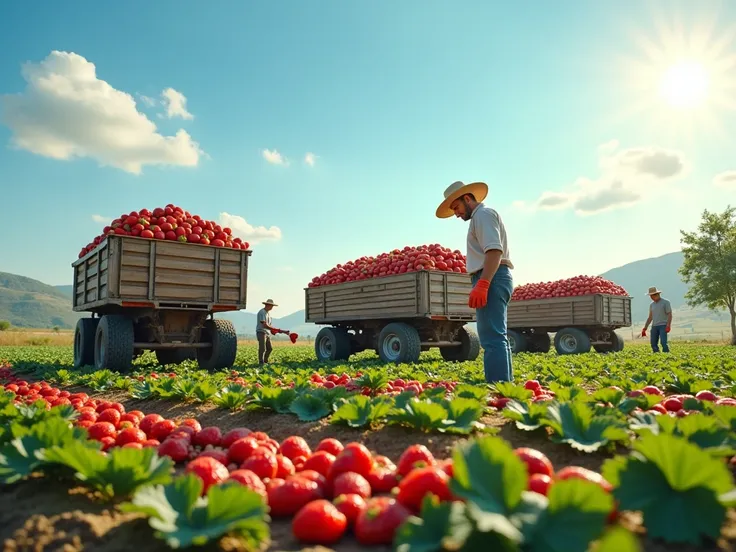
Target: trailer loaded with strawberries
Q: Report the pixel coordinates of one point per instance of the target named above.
(582, 312)
(159, 295)
(397, 315)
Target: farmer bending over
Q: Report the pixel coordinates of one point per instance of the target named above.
(263, 329)
(660, 316)
(489, 265)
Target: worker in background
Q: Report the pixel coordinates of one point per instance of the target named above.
(488, 262)
(263, 331)
(660, 317)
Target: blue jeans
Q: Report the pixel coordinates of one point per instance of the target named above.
(659, 333)
(491, 322)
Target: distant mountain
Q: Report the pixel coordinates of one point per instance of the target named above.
(28, 303)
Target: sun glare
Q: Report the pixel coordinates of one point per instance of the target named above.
(685, 85)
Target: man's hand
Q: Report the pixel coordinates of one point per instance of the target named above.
(667, 329)
(643, 332)
(478, 297)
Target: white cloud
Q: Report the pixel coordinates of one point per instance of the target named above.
(245, 231)
(150, 102)
(101, 219)
(274, 157)
(176, 104)
(66, 111)
(626, 178)
(726, 180)
(310, 159)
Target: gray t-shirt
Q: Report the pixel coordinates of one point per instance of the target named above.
(262, 316)
(659, 310)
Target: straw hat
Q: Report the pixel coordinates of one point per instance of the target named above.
(653, 291)
(270, 302)
(459, 189)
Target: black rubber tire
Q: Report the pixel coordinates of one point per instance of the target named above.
(332, 344)
(617, 344)
(174, 356)
(84, 342)
(538, 343)
(469, 350)
(517, 341)
(114, 339)
(407, 339)
(221, 334)
(620, 345)
(571, 341)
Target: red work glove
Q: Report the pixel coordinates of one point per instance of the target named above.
(667, 329)
(644, 332)
(478, 297)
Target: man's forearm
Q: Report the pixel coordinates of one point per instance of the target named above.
(649, 321)
(490, 264)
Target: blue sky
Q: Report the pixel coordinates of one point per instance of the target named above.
(557, 108)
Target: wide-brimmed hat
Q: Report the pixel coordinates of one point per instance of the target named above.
(654, 290)
(270, 302)
(459, 189)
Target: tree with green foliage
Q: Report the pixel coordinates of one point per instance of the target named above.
(709, 264)
(4, 325)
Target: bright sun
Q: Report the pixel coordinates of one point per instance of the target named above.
(685, 85)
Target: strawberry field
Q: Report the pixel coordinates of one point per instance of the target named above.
(598, 452)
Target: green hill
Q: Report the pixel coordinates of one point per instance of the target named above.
(28, 303)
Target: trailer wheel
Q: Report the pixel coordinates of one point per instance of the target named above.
(114, 343)
(538, 343)
(332, 344)
(469, 350)
(174, 356)
(399, 343)
(571, 341)
(617, 344)
(517, 341)
(84, 342)
(221, 333)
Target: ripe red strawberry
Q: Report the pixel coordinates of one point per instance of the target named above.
(151, 443)
(194, 424)
(87, 416)
(161, 430)
(241, 449)
(130, 435)
(110, 415)
(264, 465)
(183, 432)
(250, 480)
(355, 457)
(351, 505)
(539, 483)
(207, 436)
(378, 521)
(382, 480)
(318, 478)
(233, 435)
(535, 461)
(100, 430)
(219, 455)
(138, 415)
(176, 449)
(284, 467)
(294, 446)
(321, 462)
(331, 445)
(209, 470)
(134, 445)
(287, 498)
(130, 419)
(415, 456)
(319, 522)
(147, 422)
(421, 481)
(351, 483)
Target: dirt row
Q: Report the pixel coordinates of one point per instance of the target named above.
(36, 516)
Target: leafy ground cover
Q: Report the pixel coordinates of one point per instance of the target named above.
(625, 451)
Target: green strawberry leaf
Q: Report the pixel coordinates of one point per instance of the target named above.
(361, 411)
(442, 526)
(675, 484)
(309, 408)
(204, 390)
(422, 415)
(488, 474)
(617, 539)
(512, 390)
(528, 416)
(180, 516)
(464, 414)
(575, 515)
(467, 391)
(576, 424)
(278, 399)
(608, 395)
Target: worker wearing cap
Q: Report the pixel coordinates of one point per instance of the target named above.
(263, 331)
(660, 317)
(489, 264)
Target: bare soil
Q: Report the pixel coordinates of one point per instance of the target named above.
(38, 516)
